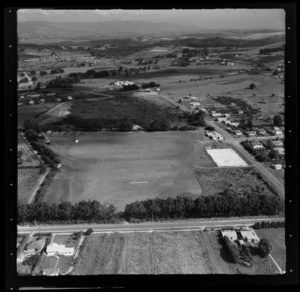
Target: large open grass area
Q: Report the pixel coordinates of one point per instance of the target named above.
(28, 180)
(216, 180)
(146, 253)
(277, 240)
(119, 168)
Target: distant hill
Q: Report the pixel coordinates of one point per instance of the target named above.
(71, 30)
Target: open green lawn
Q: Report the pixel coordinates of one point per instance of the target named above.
(277, 239)
(119, 168)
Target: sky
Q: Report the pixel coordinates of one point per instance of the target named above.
(202, 18)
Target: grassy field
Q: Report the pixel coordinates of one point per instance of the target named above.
(27, 181)
(277, 240)
(261, 266)
(118, 168)
(216, 180)
(29, 159)
(146, 253)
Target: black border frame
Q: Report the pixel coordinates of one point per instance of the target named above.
(13, 281)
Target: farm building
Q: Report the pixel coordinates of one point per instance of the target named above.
(136, 128)
(261, 131)
(250, 133)
(121, 83)
(214, 114)
(69, 98)
(215, 136)
(276, 143)
(237, 132)
(249, 236)
(51, 94)
(240, 112)
(60, 249)
(232, 123)
(275, 132)
(31, 102)
(221, 119)
(231, 234)
(277, 166)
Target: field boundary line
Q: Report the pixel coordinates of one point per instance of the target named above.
(41, 180)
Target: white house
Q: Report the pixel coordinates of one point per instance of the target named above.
(256, 145)
(249, 235)
(60, 249)
(231, 234)
(237, 132)
(69, 98)
(215, 136)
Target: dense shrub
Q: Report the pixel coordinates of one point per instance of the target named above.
(265, 247)
(129, 87)
(150, 85)
(232, 249)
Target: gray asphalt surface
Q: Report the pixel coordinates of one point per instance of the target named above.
(149, 226)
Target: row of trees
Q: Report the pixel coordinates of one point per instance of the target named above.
(264, 224)
(271, 50)
(228, 204)
(57, 71)
(87, 211)
(32, 132)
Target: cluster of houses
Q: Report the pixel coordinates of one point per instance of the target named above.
(123, 83)
(224, 62)
(32, 244)
(242, 236)
(39, 98)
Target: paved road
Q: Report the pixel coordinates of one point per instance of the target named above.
(148, 227)
(266, 173)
